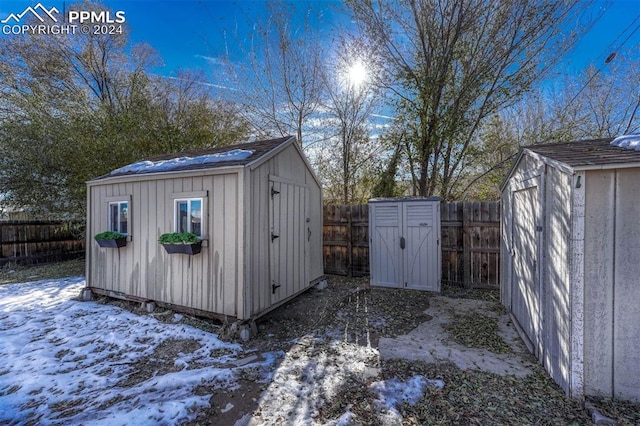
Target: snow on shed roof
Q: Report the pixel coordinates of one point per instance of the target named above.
(587, 153)
(234, 155)
(627, 141)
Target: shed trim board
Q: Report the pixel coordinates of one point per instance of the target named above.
(588, 231)
(229, 278)
(576, 293)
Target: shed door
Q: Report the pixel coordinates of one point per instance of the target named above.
(386, 261)
(289, 236)
(525, 298)
(404, 245)
(421, 245)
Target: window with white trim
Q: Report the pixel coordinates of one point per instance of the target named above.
(188, 215)
(119, 217)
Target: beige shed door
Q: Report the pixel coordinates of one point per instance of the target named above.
(525, 297)
(290, 234)
(404, 244)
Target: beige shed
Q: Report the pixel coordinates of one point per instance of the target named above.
(570, 269)
(256, 206)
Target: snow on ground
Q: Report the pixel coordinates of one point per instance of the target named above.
(66, 361)
(310, 376)
(70, 362)
(394, 392)
(313, 372)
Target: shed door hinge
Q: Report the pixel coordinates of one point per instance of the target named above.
(274, 287)
(274, 192)
(274, 236)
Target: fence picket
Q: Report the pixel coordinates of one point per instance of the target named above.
(31, 242)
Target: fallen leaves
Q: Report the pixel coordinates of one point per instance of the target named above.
(475, 330)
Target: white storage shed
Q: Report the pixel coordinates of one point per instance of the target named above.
(256, 206)
(404, 243)
(570, 274)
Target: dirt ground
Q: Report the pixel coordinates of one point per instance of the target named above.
(327, 353)
(461, 337)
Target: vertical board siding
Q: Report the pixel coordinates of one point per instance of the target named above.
(220, 277)
(287, 251)
(346, 242)
(598, 268)
(258, 240)
(626, 292)
(555, 277)
(294, 259)
(143, 269)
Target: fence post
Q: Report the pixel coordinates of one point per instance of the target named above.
(466, 244)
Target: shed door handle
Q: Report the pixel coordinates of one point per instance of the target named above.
(402, 243)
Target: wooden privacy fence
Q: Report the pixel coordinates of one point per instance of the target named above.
(470, 242)
(30, 242)
(345, 236)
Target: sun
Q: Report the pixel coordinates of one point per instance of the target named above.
(357, 74)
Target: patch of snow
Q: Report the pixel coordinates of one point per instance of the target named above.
(631, 142)
(309, 376)
(344, 420)
(177, 317)
(394, 392)
(175, 163)
(227, 407)
(66, 362)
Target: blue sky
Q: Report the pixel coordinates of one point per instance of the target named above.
(187, 32)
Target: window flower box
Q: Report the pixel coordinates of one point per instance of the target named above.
(111, 239)
(181, 243)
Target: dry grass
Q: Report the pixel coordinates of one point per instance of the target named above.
(12, 273)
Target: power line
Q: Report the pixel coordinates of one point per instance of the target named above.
(611, 56)
(611, 45)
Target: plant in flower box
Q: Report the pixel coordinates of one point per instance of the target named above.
(110, 239)
(181, 243)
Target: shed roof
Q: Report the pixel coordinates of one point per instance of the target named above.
(250, 152)
(587, 153)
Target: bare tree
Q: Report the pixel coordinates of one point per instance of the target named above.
(279, 79)
(350, 101)
(453, 63)
(601, 102)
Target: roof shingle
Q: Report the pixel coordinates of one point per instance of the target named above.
(259, 149)
(592, 152)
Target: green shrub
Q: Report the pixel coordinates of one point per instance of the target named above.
(109, 235)
(178, 238)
